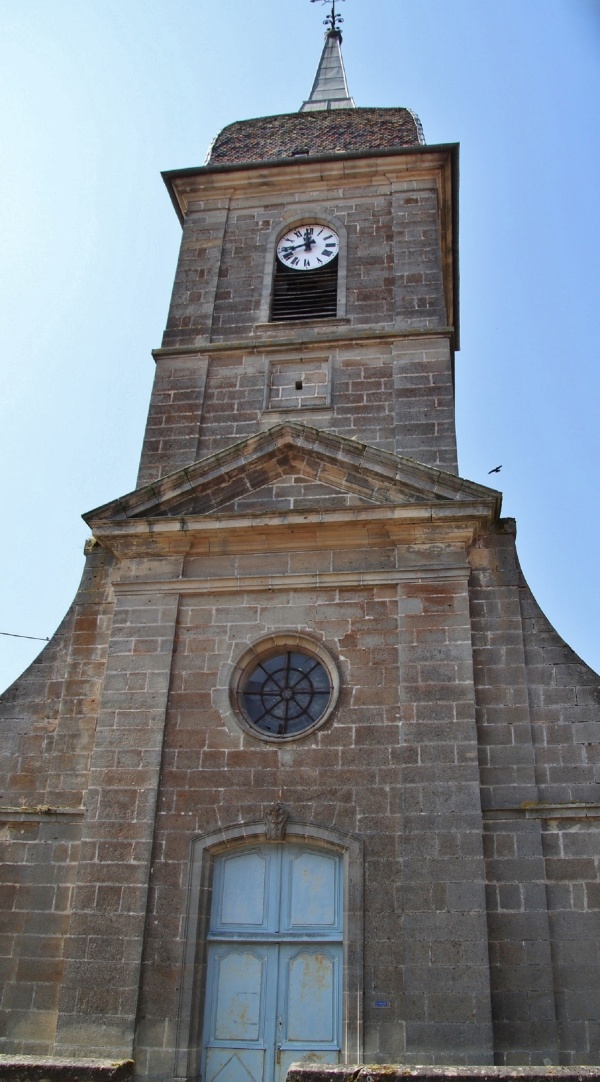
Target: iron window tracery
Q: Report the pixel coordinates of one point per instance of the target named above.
(286, 694)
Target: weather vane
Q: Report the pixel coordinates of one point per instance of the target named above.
(333, 20)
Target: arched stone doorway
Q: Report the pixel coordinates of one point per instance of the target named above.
(275, 926)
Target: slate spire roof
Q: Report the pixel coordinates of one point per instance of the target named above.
(330, 89)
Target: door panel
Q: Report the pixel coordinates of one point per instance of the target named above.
(228, 1065)
(241, 988)
(310, 985)
(310, 1005)
(311, 897)
(238, 989)
(241, 892)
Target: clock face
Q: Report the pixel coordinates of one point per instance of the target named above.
(308, 247)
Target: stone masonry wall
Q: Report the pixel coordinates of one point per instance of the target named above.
(101, 983)
(395, 394)
(391, 275)
(538, 747)
(564, 703)
(48, 723)
(174, 416)
(215, 775)
(564, 697)
(393, 259)
(396, 765)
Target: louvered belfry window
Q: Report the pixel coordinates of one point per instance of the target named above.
(310, 294)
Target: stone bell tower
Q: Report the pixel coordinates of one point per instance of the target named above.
(308, 769)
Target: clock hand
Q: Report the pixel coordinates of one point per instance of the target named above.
(306, 244)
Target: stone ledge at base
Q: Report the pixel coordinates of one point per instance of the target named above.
(393, 1073)
(39, 1069)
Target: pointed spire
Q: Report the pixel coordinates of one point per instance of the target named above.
(330, 89)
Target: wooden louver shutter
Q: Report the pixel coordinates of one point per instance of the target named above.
(304, 294)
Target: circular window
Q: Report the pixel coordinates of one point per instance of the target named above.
(286, 692)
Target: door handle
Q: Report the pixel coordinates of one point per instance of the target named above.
(278, 1054)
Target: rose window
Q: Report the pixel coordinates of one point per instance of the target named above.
(286, 694)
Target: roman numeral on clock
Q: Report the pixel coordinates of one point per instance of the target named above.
(308, 247)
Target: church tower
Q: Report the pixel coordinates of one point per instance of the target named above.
(305, 774)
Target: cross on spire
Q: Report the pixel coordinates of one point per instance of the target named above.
(333, 20)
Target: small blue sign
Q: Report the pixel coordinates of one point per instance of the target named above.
(382, 1003)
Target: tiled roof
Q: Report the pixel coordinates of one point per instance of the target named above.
(321, 132)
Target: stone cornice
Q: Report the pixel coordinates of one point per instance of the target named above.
(318, 580)
(456, 522)
(308, 336)
(184, 185)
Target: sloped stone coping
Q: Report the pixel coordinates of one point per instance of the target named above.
(392, 1073)
(48, 1069)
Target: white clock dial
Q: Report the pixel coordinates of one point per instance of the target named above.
(308, 247)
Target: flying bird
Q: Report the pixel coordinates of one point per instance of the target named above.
(496, 469)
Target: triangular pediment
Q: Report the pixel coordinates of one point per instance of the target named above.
(291, 467)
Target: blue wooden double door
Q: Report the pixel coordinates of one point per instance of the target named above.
(274, 977)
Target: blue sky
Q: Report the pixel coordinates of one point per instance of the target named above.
(100, 95)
